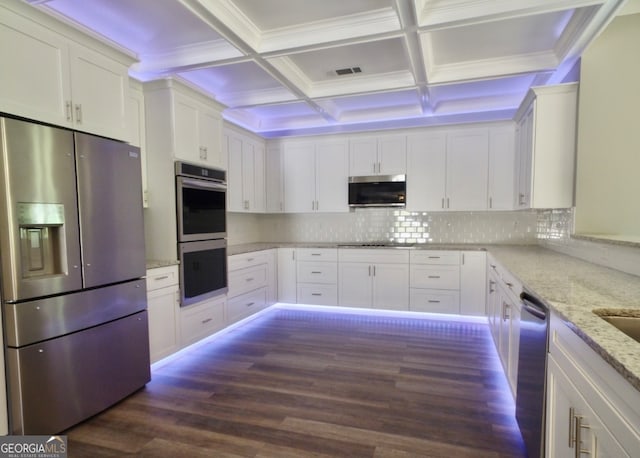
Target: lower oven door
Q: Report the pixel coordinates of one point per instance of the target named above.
(203, 270)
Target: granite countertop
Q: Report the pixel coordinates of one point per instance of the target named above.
(155, 263)
(249, 247)
(572, 287)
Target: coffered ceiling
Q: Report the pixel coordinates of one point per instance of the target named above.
(291, 67)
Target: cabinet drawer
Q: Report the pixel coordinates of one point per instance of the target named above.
(247, 304)
(245, 280)
(435, 257)
(434, 301)
(318, 294)
(161, 277)
(374, 255)
(435, 277)
(317, 254)
(318, 272)
(240, 261)
(201, 320)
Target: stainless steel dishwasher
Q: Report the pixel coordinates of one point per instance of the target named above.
(532, 373)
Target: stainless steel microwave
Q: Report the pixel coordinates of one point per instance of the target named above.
(378, 191)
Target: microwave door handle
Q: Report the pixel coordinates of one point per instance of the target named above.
(203, 184)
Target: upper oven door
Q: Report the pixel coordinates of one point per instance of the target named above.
(201, 209)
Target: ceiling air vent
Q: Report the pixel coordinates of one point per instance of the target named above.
(348, 71)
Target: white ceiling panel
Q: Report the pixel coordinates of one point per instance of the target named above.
(268, 15)
(272, 63)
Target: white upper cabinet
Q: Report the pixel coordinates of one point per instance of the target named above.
(197, 131)
(137, 131)
(316, 176)
(246, 173)
(426, 171)
(62, 82)
(184, 121)
(501, 168)
(448, 170)
(381, 155)
(467, 169)
(546, 139)
(274, 189)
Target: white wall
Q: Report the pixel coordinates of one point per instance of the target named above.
(608, 162)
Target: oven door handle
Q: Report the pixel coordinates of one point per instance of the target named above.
(202, 184)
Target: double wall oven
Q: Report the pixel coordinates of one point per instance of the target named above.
(202, 231)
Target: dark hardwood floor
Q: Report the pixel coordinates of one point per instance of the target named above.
(296, 383)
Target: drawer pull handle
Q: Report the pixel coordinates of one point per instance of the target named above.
(250, 304)
(316, 294)
(433, 302)
(510, 285)
(434, 276)
(249, 279)
(249, 259)
(434, 257)
(316, 254)
(207, 320)
(316, 272)
(164, 277)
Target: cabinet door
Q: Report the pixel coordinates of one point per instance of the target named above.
(137, 135)
(299, 177)
(426, 171)
(473, 280)
(258, 180)
(565, 407)
(391, 286)
(163, 330)
(354, 284)
(363, 156)
(502, 183)
(186, 130)
(514, 345)
(210, 130)
(467, 169)
(273, 179)
(248, 175)
(494, 306)
(332, 176)
(525, 158)
(100, 90)
(392, 155)
(287, 275)
(35, 80)
(235, 199)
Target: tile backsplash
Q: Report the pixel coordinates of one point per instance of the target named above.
(389, 225)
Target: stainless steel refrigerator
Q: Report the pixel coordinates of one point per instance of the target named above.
(72, 257)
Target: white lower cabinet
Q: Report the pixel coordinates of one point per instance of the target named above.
(317, 276)
(376, 278)
(163, 303)
(287, 275)
(252, 284)
(202, 319)
(242, 306)
(591, 409)
(435, 281)
(503, 309)
(473, 280)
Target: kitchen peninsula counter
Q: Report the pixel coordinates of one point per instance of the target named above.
(573, 288)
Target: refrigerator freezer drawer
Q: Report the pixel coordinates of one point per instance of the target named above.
(35, 321)
(58, 383)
